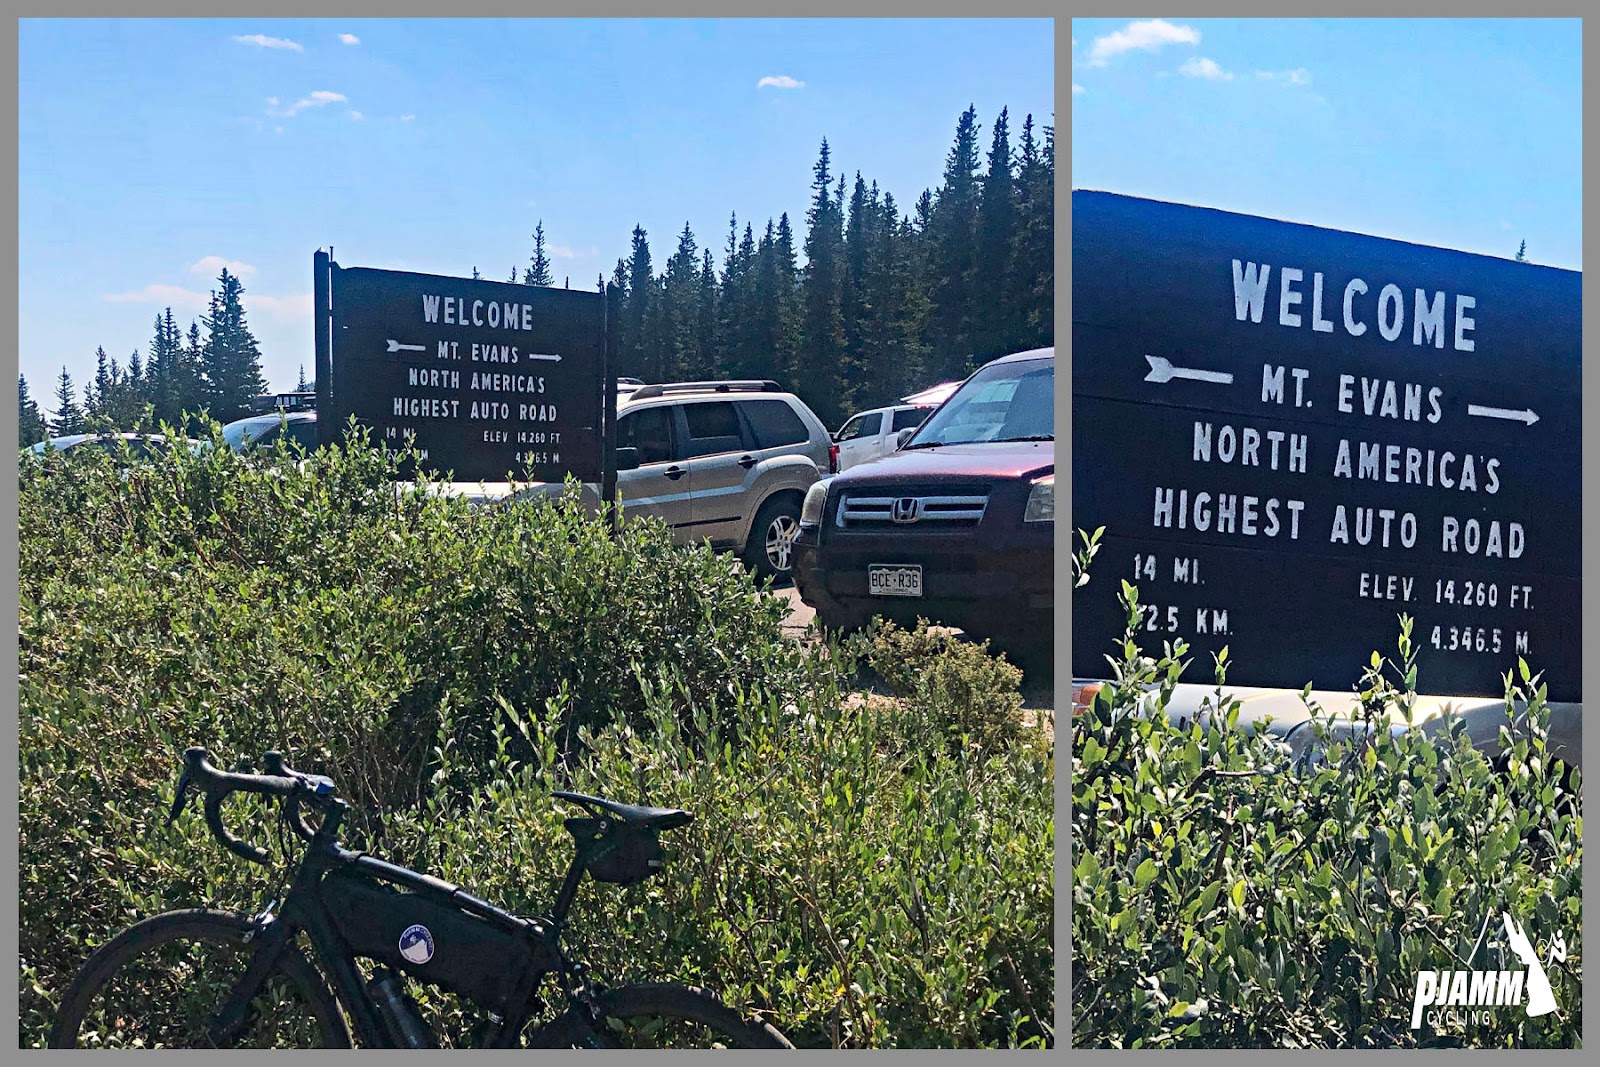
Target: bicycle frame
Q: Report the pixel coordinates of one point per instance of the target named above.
(304, 909)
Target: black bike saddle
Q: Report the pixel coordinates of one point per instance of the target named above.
(632, 814)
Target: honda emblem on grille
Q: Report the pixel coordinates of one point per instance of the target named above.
(906, 509)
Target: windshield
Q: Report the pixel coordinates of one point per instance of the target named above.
(1002, 402)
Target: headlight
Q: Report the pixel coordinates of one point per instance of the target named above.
(1042, 501)
(816, 500)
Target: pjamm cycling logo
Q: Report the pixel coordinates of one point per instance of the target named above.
(1463, 997)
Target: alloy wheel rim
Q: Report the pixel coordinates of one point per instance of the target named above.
(780, 541)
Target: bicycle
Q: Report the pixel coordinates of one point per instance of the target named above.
(243, 981)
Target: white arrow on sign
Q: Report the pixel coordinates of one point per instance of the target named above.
(550, 359)
(396, 346)
(1522, 415)
(1162, 370)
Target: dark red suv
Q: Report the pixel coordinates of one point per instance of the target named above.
(957, 525)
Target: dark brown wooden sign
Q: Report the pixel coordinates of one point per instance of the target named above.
(494, 379)
(1292, 435)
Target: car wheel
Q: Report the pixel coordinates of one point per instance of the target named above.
(769, 550)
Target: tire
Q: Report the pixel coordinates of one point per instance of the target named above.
(141, 989)
(661, 1015)
(769, 548)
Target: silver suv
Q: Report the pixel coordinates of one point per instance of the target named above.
(729, 462)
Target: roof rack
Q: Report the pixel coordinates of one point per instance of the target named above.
(750, 385)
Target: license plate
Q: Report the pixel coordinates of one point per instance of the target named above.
(895, 579)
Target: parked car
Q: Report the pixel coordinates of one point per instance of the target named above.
(873, 433)
(140, 445)
(729, 462)
(264, 430)
(957, 526)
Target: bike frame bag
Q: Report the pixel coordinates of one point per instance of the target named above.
(464, 954)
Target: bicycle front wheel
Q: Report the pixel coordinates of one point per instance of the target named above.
(661, 1015)
(159, 984)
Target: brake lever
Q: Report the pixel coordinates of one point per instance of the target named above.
(181, 799)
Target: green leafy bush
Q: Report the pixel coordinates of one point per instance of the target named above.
(952, 685)
(449, 665)
(1225, 895)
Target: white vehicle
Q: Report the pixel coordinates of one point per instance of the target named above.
(871, 434)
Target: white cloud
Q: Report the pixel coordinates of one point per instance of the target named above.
(779, 81)
(356, 116)
(407, 118)
(158, 295)
(319, 98)
(1146, 36)
(211, 266)
(349, 38)
(294, 308)
(1202, 67)
(1076, 89)
(261, 40)
(1298, 76)
(272, 101)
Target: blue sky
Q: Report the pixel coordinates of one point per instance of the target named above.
(155, 151)
(1462, 133)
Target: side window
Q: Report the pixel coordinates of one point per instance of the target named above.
(650, 431)
(906, 418)
(303, 433)
(774, 423)
(266, 437)
(713, 428)
(861, 426)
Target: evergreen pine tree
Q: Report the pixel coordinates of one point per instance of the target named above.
(190, 394)
(993, 331)
(787, 334)
(1522, 251)
(680, 292)
(98, 400)
(301, 385)
(731, 299)
(638, 315)
(69, 416)
(1032, 247)
(954, 230)
(231, 357)
(860, 232)
(707, 332)
(31, 428)
(539, 272)
(820, 376)
(475, 275)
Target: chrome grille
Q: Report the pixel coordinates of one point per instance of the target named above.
(941, 510)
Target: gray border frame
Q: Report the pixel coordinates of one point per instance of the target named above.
(1590, 483)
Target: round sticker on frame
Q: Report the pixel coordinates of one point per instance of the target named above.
(416, 944)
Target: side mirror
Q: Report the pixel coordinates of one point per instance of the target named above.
(903, 436)
(627, 459)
